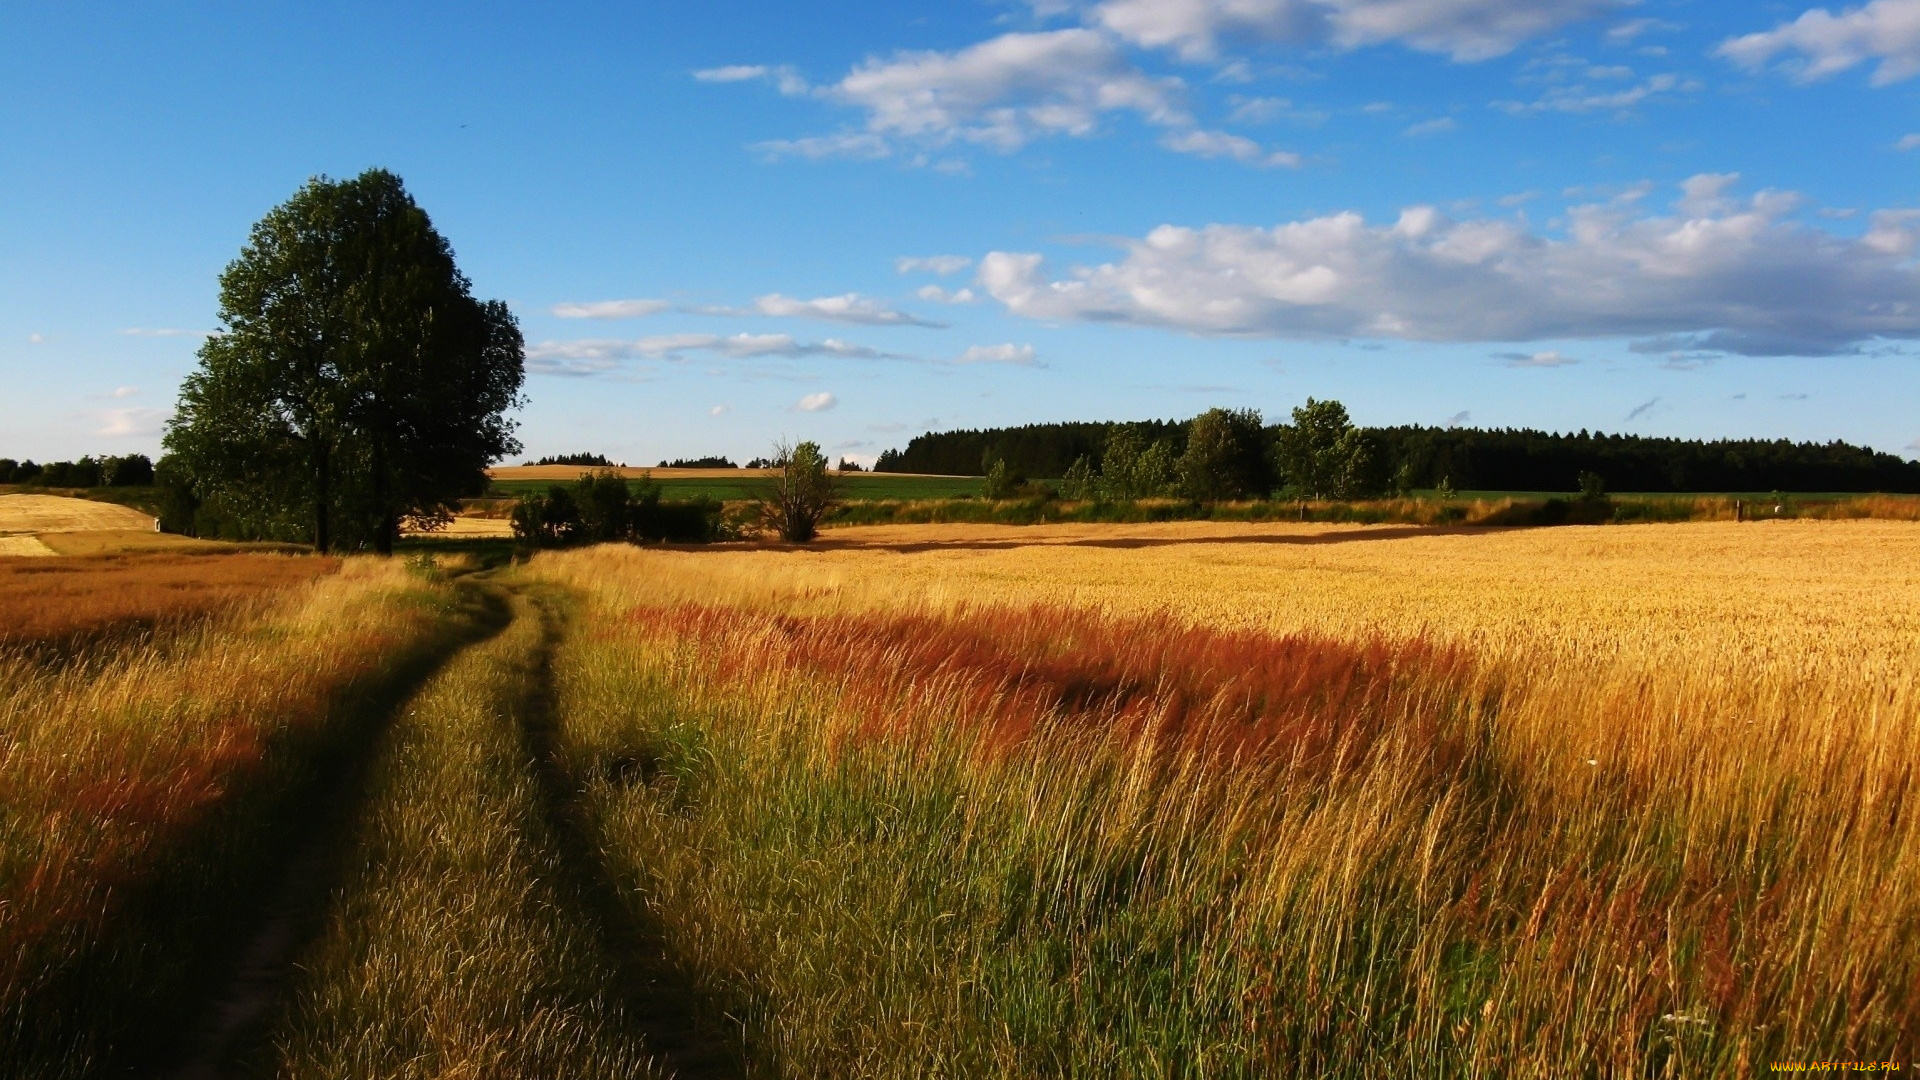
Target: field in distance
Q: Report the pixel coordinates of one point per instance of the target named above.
(727, 484)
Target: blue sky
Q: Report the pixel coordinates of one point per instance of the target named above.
(731, 222)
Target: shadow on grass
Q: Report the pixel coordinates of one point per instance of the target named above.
(654, 994)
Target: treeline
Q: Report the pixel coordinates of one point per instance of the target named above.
(132, 470)
(699, 463)
(1041, 450)
(1400, 459)
(574, 459)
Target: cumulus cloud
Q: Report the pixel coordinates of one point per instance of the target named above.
(941, 296)
(1018, 355)
(593, 356)
(1728, 275)
(1465, 30)
(819, 402)
(1005, 92)
(611, 309)
(942, 265)
(846, 308)
(1820, 43)
(1220, 144)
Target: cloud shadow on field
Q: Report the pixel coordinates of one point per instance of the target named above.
(828, 542)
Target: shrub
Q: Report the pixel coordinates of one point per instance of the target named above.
(799, 494)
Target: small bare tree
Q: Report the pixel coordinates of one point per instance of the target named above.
(799, 493)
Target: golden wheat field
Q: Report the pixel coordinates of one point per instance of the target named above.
(1586, 801)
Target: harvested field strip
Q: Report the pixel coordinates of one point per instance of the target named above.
(56, 513)
(1530, 864)
(66, 601)
(139, 792)
(454, 946)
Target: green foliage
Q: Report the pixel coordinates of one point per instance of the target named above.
(1593, 489)
(358, 383)
(603, 508)
(1133, 468)
(1226, 457)
(1001, 483)
(1321, 454)
(799, 494)
(1079, 481)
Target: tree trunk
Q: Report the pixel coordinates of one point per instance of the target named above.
(322, 497)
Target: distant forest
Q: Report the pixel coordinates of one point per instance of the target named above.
(1466, 458)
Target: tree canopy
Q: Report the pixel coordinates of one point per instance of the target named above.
(357, 383)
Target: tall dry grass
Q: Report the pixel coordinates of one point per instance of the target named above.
(139, 785)
(455, 946)
(1578, 804)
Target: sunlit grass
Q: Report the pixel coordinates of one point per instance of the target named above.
(138, 781)
(454, 946)
(1615, 800)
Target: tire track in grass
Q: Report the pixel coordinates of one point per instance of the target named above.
(657, 999)
(456, 943)
(293, 892)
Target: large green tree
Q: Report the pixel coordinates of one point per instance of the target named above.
(1226, 457)
(1321, 454)
(357, 383)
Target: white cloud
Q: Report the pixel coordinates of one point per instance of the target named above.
(1580, 98)
(1628, 32)
(1545, 359)
(1824, 44)
(36, 338)
(1466, 30)
(1907, 142)
(133, 422)
(125, 392)
(819, 402)
(1742, 278)
(853, 144)
(161, 332)
(1019, 355)
(592, 356)
(785, 78)
(611, 309)
(942, 265)
(720, 410)
(846, 308)
(1433, 127)
(1007, 91)
(941, 296)
(1220, 144)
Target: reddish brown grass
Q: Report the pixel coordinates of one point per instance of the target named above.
(1226, 695)
(65, 600)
